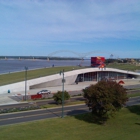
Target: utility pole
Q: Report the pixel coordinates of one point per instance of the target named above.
(63, 81)
(26, 68)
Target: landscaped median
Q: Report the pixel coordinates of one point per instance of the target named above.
(41, 104)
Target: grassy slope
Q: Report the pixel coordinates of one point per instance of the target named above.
(20, 76)
(130, 67)
(125, 126)
(133, 95)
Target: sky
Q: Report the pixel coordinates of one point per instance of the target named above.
(77, 28)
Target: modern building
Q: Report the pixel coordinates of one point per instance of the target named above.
(71, 77)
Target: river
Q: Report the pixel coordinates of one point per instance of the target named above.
(13, 65)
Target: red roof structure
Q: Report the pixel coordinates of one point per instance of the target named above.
(121, 82)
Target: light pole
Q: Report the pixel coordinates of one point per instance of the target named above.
(26, 68)
(63, 81)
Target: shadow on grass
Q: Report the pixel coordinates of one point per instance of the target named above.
(134, 109)
(137, 123)
(84, 116)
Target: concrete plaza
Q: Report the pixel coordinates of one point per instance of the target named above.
(9, 98)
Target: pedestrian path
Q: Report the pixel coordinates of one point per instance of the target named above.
(14, 98)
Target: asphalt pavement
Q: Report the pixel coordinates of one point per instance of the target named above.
(26, 116)
(34, 115)
(16, 97)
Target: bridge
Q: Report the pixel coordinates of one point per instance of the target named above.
(53, 55)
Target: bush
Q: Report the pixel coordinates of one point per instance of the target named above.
(58, 96)
(9, 110)
(105, 98)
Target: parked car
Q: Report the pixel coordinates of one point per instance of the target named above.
(44, 91)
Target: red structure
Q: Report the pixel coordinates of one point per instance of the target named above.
(34, 97)
(121, 82)
(97, 62)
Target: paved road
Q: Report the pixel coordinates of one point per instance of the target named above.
(13, 118)
(133, 101)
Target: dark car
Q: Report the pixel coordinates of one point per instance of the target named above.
(44, 91)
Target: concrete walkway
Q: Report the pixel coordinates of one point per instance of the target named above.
(9, 98)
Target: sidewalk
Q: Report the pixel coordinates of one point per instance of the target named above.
(8, 98)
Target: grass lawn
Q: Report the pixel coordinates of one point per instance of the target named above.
(133, 95)
(130, 67)
(66, 104)
(31, 74)
(125, 126)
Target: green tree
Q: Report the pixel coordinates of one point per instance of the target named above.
(58, 96)
(105, 98)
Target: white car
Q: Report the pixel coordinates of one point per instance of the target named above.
(44, 91)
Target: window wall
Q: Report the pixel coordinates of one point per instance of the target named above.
(97, 76)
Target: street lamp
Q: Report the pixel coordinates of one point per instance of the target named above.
(63, 81)
(26, 68)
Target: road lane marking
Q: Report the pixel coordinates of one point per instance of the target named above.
(50, 112)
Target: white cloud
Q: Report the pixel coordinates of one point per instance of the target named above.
(70, 20)
(67, 22)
